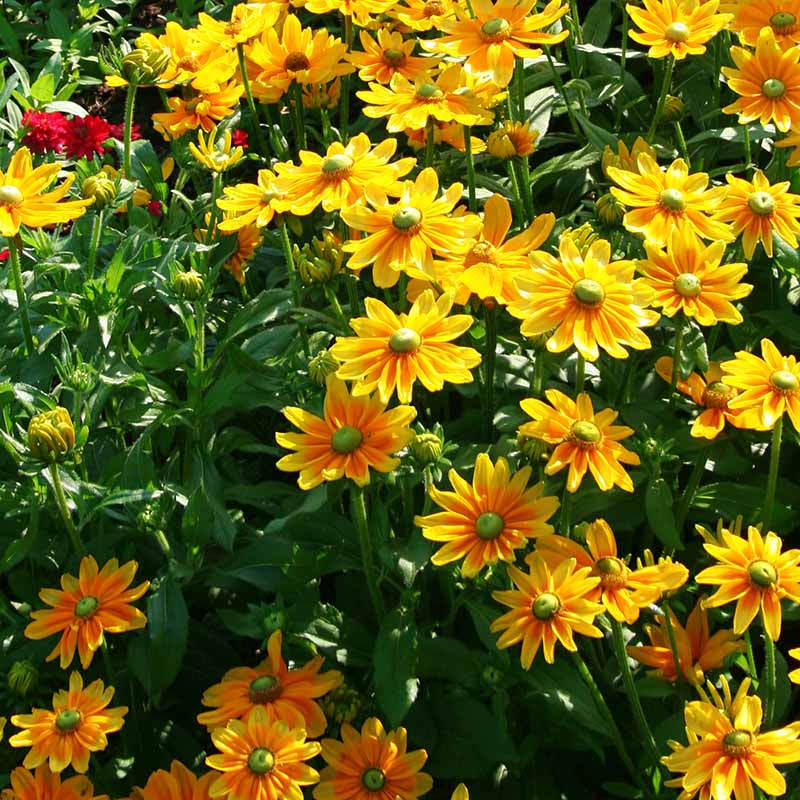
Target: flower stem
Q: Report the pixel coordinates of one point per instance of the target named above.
(580, 374)
(515, 189)
(563, 92)
(622, 60)
(566, 510)
(769, 657)
(682, 144)
(662, 98)
(130, 99)
(263, 149)
(359, 511)
(290, 266)
(94, 243)
(673, 644)
(344, 108)
(473, 204)
(676, 359)
(748, 147)
(523, 181)
(772, 478)
(490, 321)
(519, 90)
(330, 295)
(689, 491)
(14, 250)
(429, 143)
(216, 191)
(751, 661)
(63, 508)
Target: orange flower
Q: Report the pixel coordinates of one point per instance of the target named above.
(86, 608)
(584, 440)
(285, 694)
(590, 301)
(248, 203)
(403, 235)
(625, 159)
(395, 350)
(487, 521)
(338, 179)
(179, 783)
(247, 20)
(662, 201)
(46, 785)
(261, 759)
(201, 110)
(678, 28)
(388, 55)
(689, 277)
(709, 392)
(767, 82)
(792, 139)
(757, 209)
(73, 730)
(355, 434)
(621, 590)
(697, 651)
(497, 34)
(372, 765)
(780, 15)
(423, 15)
(362, 11)
(755, 574)
(448, 132)
(770, 384)
(547, 608)
(512, 139)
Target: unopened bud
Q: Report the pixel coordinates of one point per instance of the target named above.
(426, 448)
(609, 209)
(51, 435)
(322, 365)
(101, 189)
(22, 677)
(189, 285)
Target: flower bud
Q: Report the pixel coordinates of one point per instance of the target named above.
(534, 450)
(144, 64)
(189, 285)
(320, 260)
(673, 109)
(341, 705)
(322, 95)
(513, 139)
(51, 434)
(322, 365)
(583, 237)
(101, 189)
(22, 677)
(609, 209)
(426, 448)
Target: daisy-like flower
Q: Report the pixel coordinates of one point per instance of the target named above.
(261, 759)
(361, 11)
(338, 179)
(43, 784)
(678, 28)
(488, 520)
(205, 66)
(445, 132)
(767, 82)
(626, 159)
(200, 110)
(770, 384)
(387, 55)
(73, 730)
(87, 607)
(792, 139)
(392, 351)
(372, 765)
(697, 651)
(584, 440)
(755, 574)
(179, 783)
(621, 590)
(662, 201)
(423, 15)
(403, 235)
(497, 34)
(709, 392)
(23, 200)
(248, 203)
(285, 694)
(247, 21)
(512, 139)
(216, 153)
(546, 608)
(356, 433)
(590, 301)
(782, 16)
(410, 105)
(689, 277)
(728, 754)
(756, 209)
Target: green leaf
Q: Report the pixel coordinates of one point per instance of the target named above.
(448, 659)
(658, 502)
(597, 25)
(43, 88)
(598, 137)
(395, 663)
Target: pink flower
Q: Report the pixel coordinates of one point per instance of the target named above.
(44, 130)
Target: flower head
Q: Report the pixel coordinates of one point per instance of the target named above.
(625, 159)
(423, 15)
(44, 131)
(783, 16)
(179, 783)
(216, 153)
(247, 203)
(43, 784)
(198, 110)
(85, 137)
(512, 139)
(390, 53)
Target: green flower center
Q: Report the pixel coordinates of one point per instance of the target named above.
(429, 91)
(86, 606)
(10, 196)
(495, 29)
(489, 525)
(373, 779)
(395, 58)
(676, 32)
(687, 285)
(773, 88)
(782, 19)
(346, 439)
(737, 743)
(585, 433)
(336, 165)
(546, 606)
(405, 340)
(589, 292)
(672, 200)
(297, 61)
(406, 218)
(762, 574)
(717, 394)
(784, 380)
(761, 203)
(68, 720)
(261, 761)
(264, 689)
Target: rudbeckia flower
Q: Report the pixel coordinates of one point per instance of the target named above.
(361, 11)
(486, 521)
(179, 783)
(43, 784)
(387, 55)
(204, 65)
(783, 16)
(512, 139)
(423, 15)
(203, 110)
(247, 21)
(248, 203)
(625, 159)
(285, 694)
(216, 153)
(372, 765)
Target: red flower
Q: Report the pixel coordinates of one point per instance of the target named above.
(155, 208)
(44, 130)
(4, 254)
(239, 138)
(86, 136)
(118, 131)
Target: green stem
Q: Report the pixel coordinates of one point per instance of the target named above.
(297, 114)
(676, 359)
(216, 191)
(94, 243)
(748, 147)
(344, 108)
(473, 204)
(524, 187)
(519, 89)
(490, 321)
(576, 21)
(580, 374)
(429, 143)
(293, 283)
(682, 144)
(563, 92)
(515, 189)
(130, 99)
(769, 658)
(633, 695)
(537, 381)
(690, 490)
(566, 510)
(330, 295)
(622, 60)
(263, 149)
(751, 661)
(772, 478)
(63, 508)
(14, 250)
(673, 644)
(662, 98)
(359, 507)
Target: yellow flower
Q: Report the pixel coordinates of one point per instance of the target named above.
(512, 139)
(448, 132)
(248, 203)
(205, 66)
(199, 110)
(584, 440)
(51, 434)
(792, 139)
(794, 675)
(767, 82)
(590, 302)
(247, 20)
(388, 55)
(23, 200)
(546, 608)
(678, 28)
(215, 153)
(625, 159)
(780, 15)
(423, 15)
(362, 11)
(488, 520)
